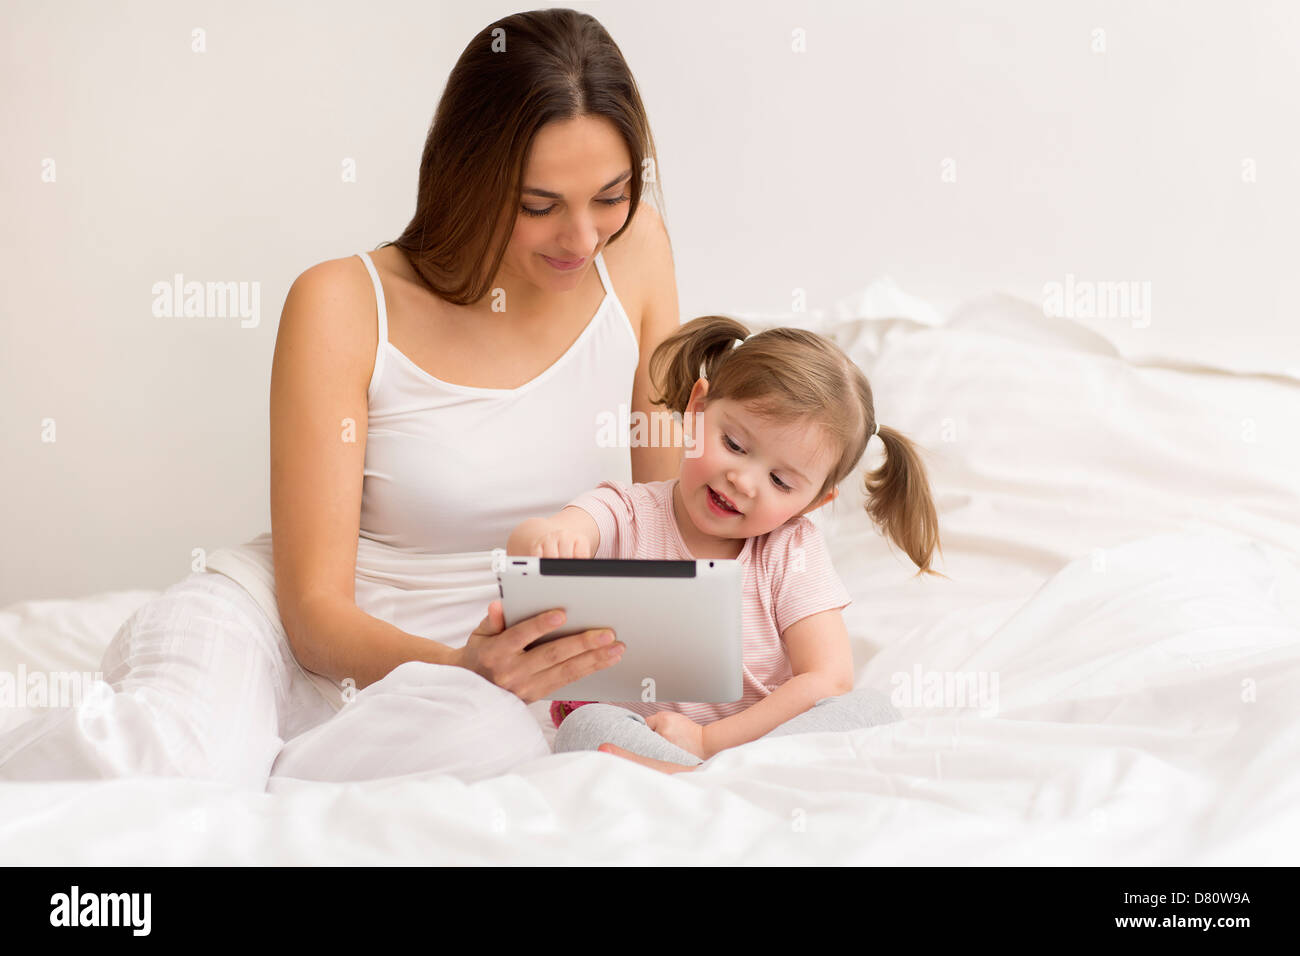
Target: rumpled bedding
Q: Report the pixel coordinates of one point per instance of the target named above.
(1109, 674)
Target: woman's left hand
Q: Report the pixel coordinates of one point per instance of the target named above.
(679, 729)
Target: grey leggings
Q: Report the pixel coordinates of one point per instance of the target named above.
(594, 724)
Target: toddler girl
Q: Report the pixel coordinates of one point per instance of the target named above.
(772, 423)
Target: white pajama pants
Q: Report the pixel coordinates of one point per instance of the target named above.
(199, 683)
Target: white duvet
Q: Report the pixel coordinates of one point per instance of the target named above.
(1111, 676)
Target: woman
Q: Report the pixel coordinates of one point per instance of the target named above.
(412, 393)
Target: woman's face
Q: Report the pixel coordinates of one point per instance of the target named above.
(575, 196)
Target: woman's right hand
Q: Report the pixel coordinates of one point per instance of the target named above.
(497, 654)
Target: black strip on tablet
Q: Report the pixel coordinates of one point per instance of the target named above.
(617, 568)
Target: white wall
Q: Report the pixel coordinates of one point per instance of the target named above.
(782, 170)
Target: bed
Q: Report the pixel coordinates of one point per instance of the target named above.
(1109, 674)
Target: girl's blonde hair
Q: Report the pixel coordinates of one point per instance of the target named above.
(786, 375)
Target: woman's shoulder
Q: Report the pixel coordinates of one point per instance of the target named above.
(343, 281)
(348, 277)
(329, 311)
(640, 262)
(644, 241)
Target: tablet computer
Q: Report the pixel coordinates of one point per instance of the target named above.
(680, 622)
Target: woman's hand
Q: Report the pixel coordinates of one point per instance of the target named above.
(497, 654)
(679, 729)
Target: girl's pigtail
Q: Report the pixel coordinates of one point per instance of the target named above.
(899, 501)
(692, 352)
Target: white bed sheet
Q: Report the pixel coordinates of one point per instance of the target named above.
(1123, 543)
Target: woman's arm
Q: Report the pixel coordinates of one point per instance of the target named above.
(821, 659)
(324, 356)
(650, 258)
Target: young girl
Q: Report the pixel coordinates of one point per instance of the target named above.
(772, 424)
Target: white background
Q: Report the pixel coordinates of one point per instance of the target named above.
(817, 171)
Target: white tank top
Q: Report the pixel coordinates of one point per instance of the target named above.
(450, 470)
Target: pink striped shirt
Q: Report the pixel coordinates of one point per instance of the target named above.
(787, 576)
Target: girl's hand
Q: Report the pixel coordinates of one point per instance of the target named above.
(679, 729)
(560, 543)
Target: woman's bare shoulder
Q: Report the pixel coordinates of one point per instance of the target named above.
(640, 264)
(644, 239)
(330, 309)
(343, 276)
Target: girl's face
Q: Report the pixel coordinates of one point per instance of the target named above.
(575, 196)
(767, 472)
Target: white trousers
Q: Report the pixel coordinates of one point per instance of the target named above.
(199, 683)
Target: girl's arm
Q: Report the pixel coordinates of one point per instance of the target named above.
(822, 661)
(564, 535)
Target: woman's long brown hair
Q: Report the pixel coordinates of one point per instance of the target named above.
(514, 77)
